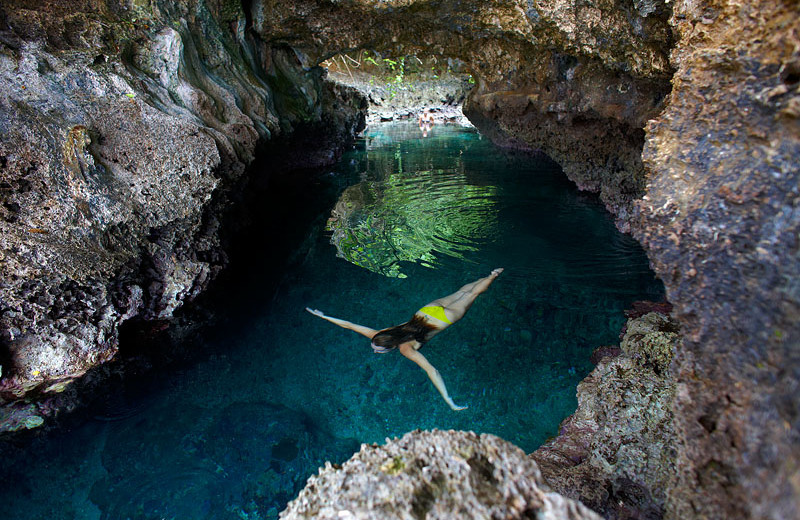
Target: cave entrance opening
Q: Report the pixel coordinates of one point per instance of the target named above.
(399, 86)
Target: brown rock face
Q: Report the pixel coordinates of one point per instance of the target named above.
(720, 220)
(575, 81)
(713, 197)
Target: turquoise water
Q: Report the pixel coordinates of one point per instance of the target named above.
(268, 392)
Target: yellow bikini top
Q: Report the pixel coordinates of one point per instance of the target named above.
(436, 311)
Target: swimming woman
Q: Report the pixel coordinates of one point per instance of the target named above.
(425, 324)
(425, 122)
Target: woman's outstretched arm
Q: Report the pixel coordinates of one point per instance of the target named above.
(413, 354)
(364, 331)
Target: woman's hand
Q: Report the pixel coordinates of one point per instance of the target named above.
(316, 312)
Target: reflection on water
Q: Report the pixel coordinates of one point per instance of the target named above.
(275, 392)
(413, 216)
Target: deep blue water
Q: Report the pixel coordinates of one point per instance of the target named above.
(271, 392)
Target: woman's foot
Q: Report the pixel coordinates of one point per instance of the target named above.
(496, 272)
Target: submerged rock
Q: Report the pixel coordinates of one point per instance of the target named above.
(434, 474)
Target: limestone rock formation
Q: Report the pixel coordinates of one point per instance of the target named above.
(575, 81)
(720, 222)
(124, 129)
(403, 87)
(124, 125)
(700, 166)
(616, 453)
(435, 475)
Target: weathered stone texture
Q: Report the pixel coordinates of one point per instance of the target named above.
(124, 127)
(575, 81)
(435, 475)
(721, 224)
(616, 453)
(124, 124)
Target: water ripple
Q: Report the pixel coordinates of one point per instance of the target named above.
(411, 218)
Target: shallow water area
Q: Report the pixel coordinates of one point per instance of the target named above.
(275, 392)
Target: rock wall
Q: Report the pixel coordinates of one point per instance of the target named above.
(617, 452)
(699, 165)
(573, 80)
(125, 127)
(720, 222)
(125, 124)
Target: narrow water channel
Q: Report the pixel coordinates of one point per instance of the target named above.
(275, 392)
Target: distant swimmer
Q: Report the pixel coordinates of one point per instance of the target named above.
(425, 324)
(426, 122)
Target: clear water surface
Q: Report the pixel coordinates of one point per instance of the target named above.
(272, 392)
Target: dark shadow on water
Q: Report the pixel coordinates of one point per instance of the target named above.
(230, 421)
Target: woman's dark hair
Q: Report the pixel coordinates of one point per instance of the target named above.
(389, 339)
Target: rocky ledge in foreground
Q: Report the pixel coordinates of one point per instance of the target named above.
(434, 475)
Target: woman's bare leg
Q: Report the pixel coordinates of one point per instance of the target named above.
(459, 302)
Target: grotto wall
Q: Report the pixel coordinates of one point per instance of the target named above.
(574, 80)
(684, 117)
(125, 128)
(721, 224)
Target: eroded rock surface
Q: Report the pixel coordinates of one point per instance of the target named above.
(402, 88)
(721, 223)
(435, 475)
(125, 127)
(616, 453)
(124, 123)
(575, 81)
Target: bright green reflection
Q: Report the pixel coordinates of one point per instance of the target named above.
(407, 214)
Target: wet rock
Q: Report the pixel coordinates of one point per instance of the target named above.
(600, 354)
(123, 125)
(617, 452)
(433, 474)
(21, 417)
(640, 308)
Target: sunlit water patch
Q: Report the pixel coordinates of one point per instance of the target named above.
(274, 392)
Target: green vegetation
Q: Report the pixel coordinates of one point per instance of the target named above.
(391, 71)
(394, 73)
